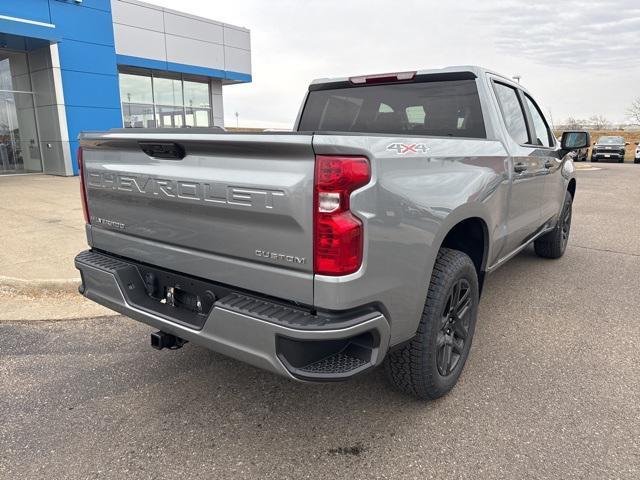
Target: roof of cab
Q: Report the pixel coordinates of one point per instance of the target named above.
(473, 69)
(476, 70)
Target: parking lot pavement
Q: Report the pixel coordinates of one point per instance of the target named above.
(39, 211)
(551, 389)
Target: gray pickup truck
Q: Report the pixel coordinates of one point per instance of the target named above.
(362, 237)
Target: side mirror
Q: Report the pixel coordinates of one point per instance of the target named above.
(575, 140)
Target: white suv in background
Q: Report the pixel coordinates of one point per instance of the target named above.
(636, 158)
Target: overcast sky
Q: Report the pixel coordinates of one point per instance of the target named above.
(578, 57)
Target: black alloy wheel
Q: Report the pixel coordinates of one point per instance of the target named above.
(554, 243)
(454, 327)
(430, 364)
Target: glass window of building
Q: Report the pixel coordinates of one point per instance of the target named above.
(169, 103)
(167, 91)
(197, 104)
(137, 101)
(155, 100)
(19, 143)
(14, 71)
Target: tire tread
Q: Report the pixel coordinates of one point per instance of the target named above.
(409, 368)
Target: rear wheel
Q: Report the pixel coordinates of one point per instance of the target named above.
(429, 365)
(554, 243)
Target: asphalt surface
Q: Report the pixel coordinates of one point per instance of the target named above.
(551, 390)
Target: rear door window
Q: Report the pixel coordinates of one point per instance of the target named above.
(512, 112)
(448, 108)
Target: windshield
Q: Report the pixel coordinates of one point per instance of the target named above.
(611, 140)
(437, 108)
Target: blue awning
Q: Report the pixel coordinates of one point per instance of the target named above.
(14, 30)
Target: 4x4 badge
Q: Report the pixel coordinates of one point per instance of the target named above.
(404, 148)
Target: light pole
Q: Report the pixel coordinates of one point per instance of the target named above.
(237, 121)
(517, 78)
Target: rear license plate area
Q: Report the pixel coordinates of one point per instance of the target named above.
(174, 297)
(178, 298)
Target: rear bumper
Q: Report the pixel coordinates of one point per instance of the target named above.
(281, 338)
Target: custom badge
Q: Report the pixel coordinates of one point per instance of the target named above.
(404, 148)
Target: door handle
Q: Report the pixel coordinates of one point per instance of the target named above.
(519, 167)
(548, 164)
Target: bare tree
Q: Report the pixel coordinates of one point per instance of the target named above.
(599, 122)
(634, 111)
(574, 123)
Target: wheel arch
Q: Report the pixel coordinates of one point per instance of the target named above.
(471, 236)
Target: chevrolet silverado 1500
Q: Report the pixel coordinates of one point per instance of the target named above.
(362, 237)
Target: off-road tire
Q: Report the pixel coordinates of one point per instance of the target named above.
(413, 368)
(554, 243)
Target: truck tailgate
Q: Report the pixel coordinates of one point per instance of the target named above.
(236, 209)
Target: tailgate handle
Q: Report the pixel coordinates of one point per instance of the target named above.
(165, 150)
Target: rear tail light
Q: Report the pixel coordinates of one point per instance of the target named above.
(338, 234)
(83, 188)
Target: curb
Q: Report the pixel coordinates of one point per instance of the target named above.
(46, 300)
(55, 320)
(39, 286)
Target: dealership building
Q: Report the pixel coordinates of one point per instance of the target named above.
(72, 65)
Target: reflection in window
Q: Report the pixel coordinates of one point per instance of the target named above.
(138, 115)
(196, 94)
(167, 91)
(197, 104)
(197, 117)
(169, 116)
(150, 101)
(135, 88)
